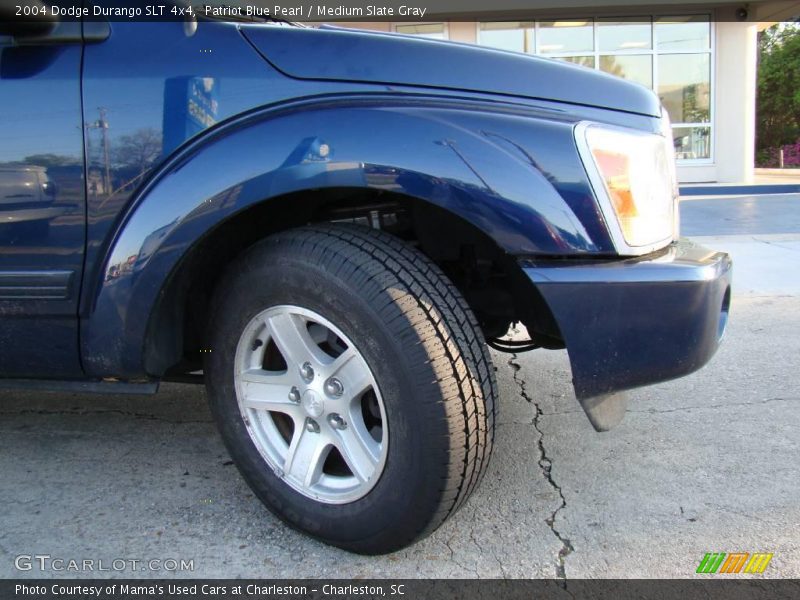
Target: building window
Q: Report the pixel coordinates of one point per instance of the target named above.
(574, 37)
(683, 47)
(671, 55)
(516, 36)
(436, 31)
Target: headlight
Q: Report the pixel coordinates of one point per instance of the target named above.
(635, 174)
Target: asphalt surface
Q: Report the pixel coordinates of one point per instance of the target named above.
(707, 463)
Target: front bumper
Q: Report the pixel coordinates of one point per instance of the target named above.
(633, 322)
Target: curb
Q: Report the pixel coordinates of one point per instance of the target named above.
(739, 190)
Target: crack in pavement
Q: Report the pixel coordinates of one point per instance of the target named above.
(482, 551)
(713, 406)
(777, 244)
(455, 561)
(546, 466)
(81, 412)
(682, 408)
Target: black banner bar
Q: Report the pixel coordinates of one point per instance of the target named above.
(351, 10)
(409, 589)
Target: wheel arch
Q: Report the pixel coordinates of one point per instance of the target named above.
(491, 281)
(426, 158)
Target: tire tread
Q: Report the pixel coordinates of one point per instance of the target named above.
(446, 327)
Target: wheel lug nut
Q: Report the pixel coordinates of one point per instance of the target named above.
(307, 371)
(336, 421)
(334, 387)
(312, 426)
(294, 395)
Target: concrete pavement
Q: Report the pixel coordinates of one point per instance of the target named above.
(787, 175)
(761, 233)
(707, 463)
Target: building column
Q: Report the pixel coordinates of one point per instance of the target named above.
(463, 31)
(735, 101)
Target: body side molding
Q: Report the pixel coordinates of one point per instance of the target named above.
(36, 285)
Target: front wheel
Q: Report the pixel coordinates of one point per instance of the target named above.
(351, 384)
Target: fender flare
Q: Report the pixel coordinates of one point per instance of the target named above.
(470, 163)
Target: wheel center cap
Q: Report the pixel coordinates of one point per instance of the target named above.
(313, 404)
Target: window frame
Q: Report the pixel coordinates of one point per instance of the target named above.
(652, 52)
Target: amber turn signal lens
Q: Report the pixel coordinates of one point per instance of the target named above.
(615, 168)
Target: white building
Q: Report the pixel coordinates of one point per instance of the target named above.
(699, 57)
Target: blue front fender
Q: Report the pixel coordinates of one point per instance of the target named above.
(514, 176)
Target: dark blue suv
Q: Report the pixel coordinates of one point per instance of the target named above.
(328, 227)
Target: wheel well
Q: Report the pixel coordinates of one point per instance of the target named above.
(490, 280)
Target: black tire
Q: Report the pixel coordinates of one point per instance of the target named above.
(425, 349)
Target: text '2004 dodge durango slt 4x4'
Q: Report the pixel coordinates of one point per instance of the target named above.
(328, 227)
